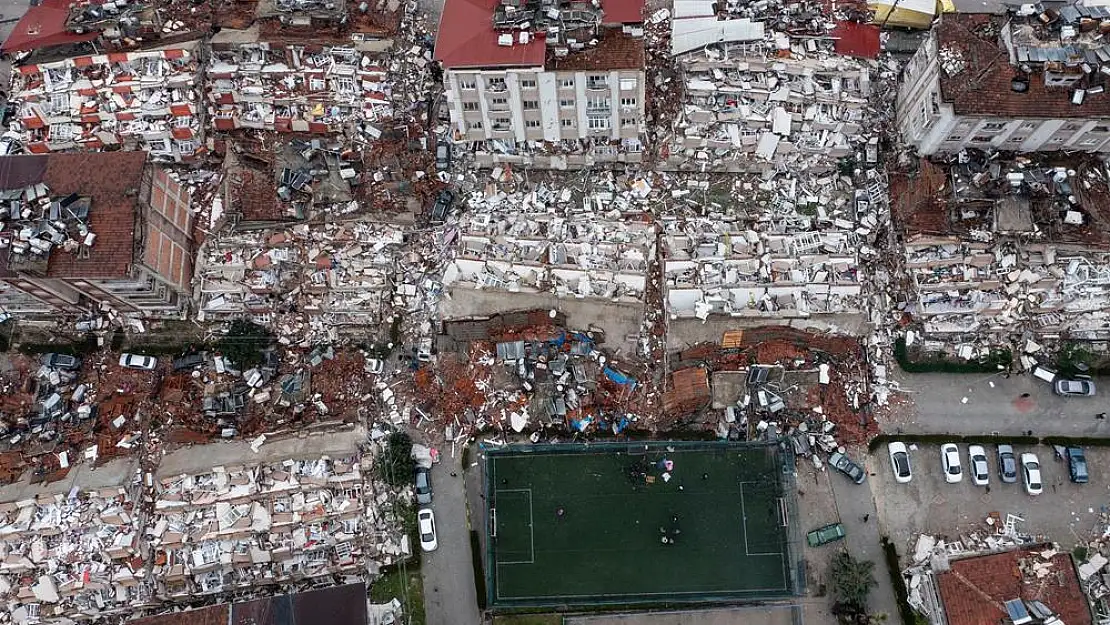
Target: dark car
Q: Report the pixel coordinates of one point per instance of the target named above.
(1077, 465)
(444, 201)
(844, 464)
(189, 361)
(61, 361)
(423, 486)
(443, 156)
(1007, 464)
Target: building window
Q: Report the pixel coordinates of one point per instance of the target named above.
(566, 104)
(59, 102)
(1017, 139)
(599, 123)
(468, 84)
(566, 123)
(531, 123)
(1028, 126)
(954, 138)
(530, 105)
(470, 106)
(628, 122)
(964, 126)
(528, 84)
(597, 81)
(597, 104)
(994, 126)
(474, 125)
(1057, 139)
(496, 84)
(628, 84)
(61, 132)
(188, 146)
(1089, 142)
(1071, 126)
(499, 103)
(981, 139)
(628, 101)
(567, 83)
(500, 123)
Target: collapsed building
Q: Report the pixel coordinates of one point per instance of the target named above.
(1031, 80)
(548, 85)
(1007, 248)
(767, 84)
(94, 232)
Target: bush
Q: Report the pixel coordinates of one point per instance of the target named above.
(908, 614)
(396, 465)
(997, 360)
(245, 343)
(852, 581)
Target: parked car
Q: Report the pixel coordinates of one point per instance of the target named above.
(1007, 464)
(442, 207)
(1077, 465)
(1078, 387)
(1031, 472)
(189, 361)
(443, 156)
(844, 464)
(61, 361)
(950, 460)
(900, 462)
(426, 522)
(825, 535)
(977, 465)
(138, 361)
(423, 485)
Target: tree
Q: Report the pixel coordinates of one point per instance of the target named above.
(245, 343)
(852, 580)
(396, 465)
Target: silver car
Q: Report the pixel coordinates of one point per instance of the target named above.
(1081, 387)
(138, 361)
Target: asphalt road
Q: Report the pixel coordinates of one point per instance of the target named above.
(858, 515)
(983, 404)
(449, 595)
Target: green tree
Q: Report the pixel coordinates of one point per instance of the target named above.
(245, 343)
(852, 580)
(396, 465)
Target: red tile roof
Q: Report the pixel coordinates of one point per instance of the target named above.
(614, 50)
(43, 26)
(974, 590)
(111, 180)
(855, 39)
(466, 38)
(622, 11)
(983, 86)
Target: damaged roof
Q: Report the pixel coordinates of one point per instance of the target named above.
(983, 86)
(466, 38)
(44, 26)
(111, 180)
(974, 589)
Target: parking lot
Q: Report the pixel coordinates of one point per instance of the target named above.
(1065, 512)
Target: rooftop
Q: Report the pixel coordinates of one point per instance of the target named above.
(110, 181)
(975, 589)
(978, 78)
(44, 26)
(468, 38)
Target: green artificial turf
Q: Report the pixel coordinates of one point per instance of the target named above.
(607, 547)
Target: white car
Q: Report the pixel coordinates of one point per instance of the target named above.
(427, 523)
(375, 366)
(138, 361)
(977, 465)
(950, 460)
(900, 462)
(1031, 472)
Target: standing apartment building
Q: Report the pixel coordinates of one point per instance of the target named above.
(1018, 82)
(568, 73)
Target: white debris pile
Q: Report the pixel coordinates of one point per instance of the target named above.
(268, 524)
(74, 555)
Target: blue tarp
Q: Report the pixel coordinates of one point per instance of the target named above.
(620, 378)
(582, 424)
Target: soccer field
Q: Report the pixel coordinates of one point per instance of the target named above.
(610, 523)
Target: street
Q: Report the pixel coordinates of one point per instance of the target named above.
(994, 403)
(860, 519)
(449, 595)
